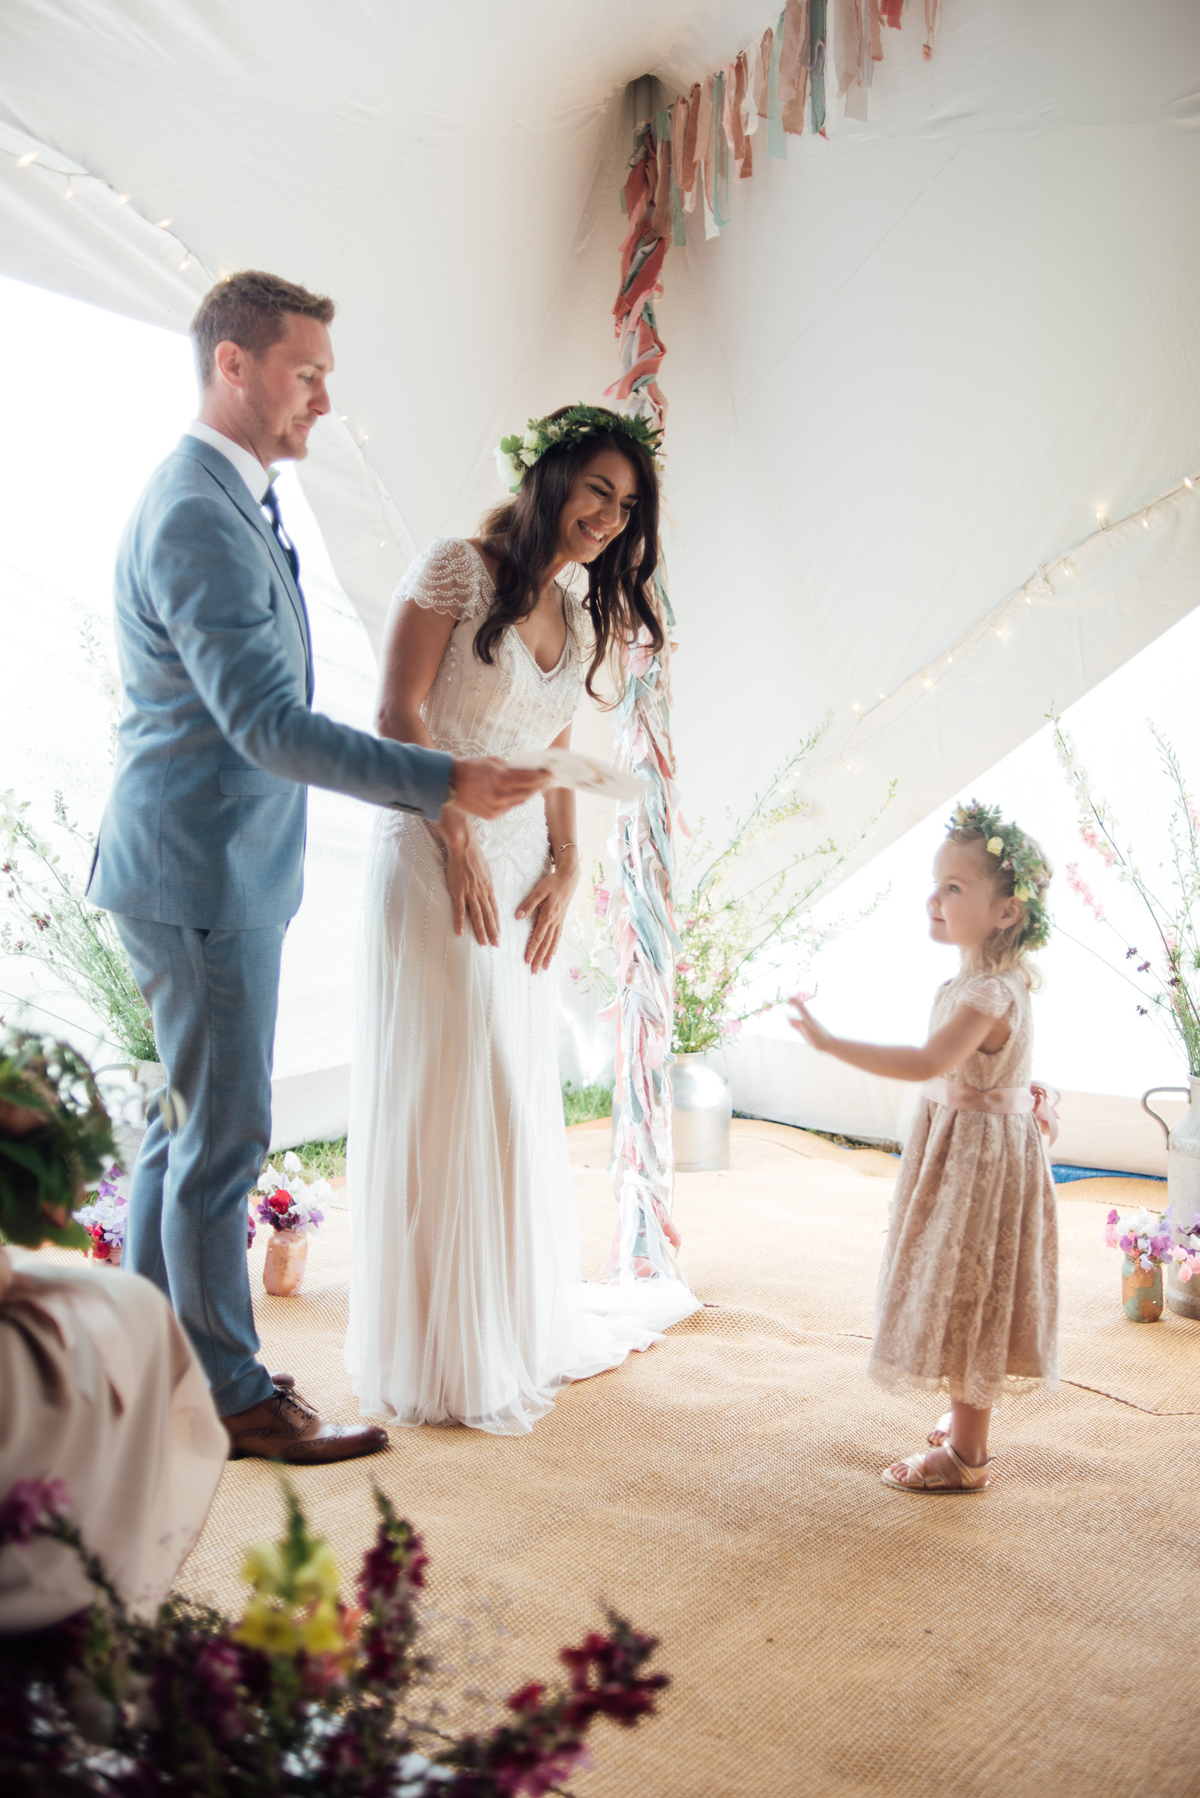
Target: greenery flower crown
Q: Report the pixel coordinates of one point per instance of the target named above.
(516, 455)
(1017, 856)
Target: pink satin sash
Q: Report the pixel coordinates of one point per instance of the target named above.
(1000, 1101)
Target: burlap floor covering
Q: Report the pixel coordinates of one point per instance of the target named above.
(824, 1635)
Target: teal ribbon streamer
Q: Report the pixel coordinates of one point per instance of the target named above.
(720, 154)
(816, 41)
(776, 140)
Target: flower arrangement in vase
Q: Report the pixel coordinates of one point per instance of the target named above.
(288, 1205)
(1186, 1251)
(742, 913)
(1145, 1240)
(304, 1695)
(105, 1218)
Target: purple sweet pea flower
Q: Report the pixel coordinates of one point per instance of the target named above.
(1126, 1242)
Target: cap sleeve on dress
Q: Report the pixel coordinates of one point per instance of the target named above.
(986, 993)
(447, 577)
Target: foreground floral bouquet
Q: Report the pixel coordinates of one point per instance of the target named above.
(301, 1696)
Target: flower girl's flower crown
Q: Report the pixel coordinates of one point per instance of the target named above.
(517, 454)
(1017, 856)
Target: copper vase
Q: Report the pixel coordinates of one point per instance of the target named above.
(283, 1270)
(1141, 1291)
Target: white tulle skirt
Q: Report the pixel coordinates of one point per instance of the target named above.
(466, 1302)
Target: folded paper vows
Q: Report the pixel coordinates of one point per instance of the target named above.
(580, 772)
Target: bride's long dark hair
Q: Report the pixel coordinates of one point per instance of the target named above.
(522, 534)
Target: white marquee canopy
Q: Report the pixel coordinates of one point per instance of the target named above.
(933, 354)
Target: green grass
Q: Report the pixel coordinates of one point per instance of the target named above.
(321, 1160)
(583, 1103)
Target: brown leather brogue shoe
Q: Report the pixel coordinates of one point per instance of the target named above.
(286, 1428)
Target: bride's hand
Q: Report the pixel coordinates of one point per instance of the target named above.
(546, 904)
(470, 881)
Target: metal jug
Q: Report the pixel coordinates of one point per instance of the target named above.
(1183, 1182)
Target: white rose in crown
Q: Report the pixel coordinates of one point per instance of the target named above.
(531, 441)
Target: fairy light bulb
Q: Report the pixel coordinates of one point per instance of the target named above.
(1188, 482)
(23, 162)
(925, 681)
(163, 223)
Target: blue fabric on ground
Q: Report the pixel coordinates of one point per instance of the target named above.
(1064, 1172)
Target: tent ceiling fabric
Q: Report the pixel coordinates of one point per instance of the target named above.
(919, 359)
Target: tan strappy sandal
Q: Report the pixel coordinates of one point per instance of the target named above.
(927, 1479)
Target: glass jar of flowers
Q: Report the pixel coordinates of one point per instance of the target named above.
(1145, 1240)
(289, 1206)
(104, 1218)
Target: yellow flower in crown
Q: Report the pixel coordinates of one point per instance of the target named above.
(995, 846)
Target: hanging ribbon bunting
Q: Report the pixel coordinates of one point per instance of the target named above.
(685, 155)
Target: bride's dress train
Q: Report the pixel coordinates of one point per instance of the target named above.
(466, 1303)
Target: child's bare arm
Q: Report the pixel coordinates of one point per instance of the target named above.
(964, 1032)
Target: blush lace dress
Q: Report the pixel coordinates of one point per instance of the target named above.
(968, 1291)
(466, 1303)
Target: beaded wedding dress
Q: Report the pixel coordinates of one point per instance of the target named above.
(466, 1303)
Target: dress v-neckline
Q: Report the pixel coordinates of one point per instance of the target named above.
(546, 673)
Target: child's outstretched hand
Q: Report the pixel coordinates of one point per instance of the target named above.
(814, 1034)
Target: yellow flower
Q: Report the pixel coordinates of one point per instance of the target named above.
(318, 1577)
(322, 1631)
(267, 1628)
(1023, 893)
(262, 1567)
(995, 846)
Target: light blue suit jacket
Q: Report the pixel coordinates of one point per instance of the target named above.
(205, 823)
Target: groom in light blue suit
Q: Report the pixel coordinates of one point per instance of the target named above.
(201, 850)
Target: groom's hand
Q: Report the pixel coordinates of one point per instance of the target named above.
(486, 786)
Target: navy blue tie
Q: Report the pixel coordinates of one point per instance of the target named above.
(270, 506)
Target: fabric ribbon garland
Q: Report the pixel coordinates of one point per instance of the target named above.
(683, 159)
(703, 141)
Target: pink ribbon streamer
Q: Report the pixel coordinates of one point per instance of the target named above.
(999, 1101)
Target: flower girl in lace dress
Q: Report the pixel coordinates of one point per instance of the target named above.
(968, 1291)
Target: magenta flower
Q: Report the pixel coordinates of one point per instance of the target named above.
(29, 1504)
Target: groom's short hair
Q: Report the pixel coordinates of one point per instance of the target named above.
(250, 309)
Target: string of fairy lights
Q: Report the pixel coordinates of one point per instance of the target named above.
(76, 180)
(1002, 621)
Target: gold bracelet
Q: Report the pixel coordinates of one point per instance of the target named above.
(565, 846)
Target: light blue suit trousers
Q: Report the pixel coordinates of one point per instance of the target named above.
(213, 996)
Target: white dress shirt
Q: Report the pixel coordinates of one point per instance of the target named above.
(256, 477)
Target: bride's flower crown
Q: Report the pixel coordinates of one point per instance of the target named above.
(1017, 856)
(516, 455)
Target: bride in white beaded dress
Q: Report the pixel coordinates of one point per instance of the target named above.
(466, 1303)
